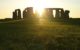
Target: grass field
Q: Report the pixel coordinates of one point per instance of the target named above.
(25, 35)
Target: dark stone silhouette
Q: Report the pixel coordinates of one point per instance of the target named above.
(62, 13)
(57, 14)
(48, 13)
(25, 14)
(66, 14)
(17, 14)
(14, 15)
(51, 13)
(28, 13)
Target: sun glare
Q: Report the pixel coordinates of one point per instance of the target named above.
(39, 11)
(39, 5)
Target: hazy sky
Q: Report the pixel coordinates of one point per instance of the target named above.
(8, 6)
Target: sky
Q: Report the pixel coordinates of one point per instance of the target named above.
(8, 6)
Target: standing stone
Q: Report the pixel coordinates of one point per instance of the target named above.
(62, 13)
(24, 14)
(30, 11)
(57, 13)
(51, 16)
(19, 13)
(51, 13)
(67, 14)
(14, 15)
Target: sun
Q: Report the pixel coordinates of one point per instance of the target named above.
(39, 10)
(39, 6)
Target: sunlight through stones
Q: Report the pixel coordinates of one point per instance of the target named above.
(49, 14)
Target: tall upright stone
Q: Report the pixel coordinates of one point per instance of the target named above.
(30, 11)
(19, 13)
(51, 16)
(51, 13)
(57, 13)
(14, 15)
(62, 13)
(66, 14)
(24, 14)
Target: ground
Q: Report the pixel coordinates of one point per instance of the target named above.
(25, 35)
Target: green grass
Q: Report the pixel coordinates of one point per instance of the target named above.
(26, 35)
